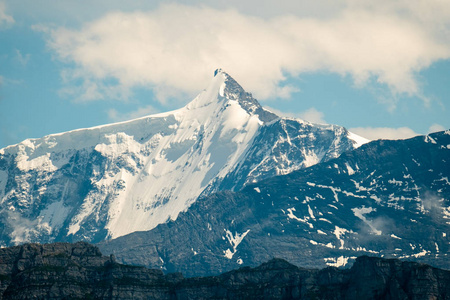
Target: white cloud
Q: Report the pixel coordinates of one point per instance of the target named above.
(311, 115)
(436, 127)
(5, 19)
(115, 115)
(386, 133)
(175, 48)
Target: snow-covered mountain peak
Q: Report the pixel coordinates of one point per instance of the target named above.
(224, 88)
(235, 91)
(212, 95)
(218, 71)
(110, 180)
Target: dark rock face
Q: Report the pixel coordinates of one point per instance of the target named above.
(386, 198)
(62, 270)
(79, 271)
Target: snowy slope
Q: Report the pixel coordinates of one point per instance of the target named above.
(108, 181)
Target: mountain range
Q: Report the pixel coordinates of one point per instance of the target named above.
(386, 198)
(223, 183)
(108, 181)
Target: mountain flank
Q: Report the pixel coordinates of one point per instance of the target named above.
(386, 198)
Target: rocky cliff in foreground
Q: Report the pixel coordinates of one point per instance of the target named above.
(62, 270)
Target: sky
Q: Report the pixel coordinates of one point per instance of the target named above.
(379, 68)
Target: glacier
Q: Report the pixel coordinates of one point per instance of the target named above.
(107, 181)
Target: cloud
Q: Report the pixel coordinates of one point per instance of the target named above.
(432, 204)
(22, 230)
(23, 59)
(431, 201)
(5, 20)
(115, 115)
(175, 48)
(386, 133)
(436, 127)
(311, 115)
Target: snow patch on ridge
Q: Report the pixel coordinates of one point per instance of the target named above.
(338, 232)
(336, 261)
(234, 241)
(292, 216)
(350, 170)
(358, 140)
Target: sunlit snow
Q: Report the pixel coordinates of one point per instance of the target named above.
(234, 241)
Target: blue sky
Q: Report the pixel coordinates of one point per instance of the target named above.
(379, 68)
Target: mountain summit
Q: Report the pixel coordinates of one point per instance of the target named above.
(234, 91)
(107, 181)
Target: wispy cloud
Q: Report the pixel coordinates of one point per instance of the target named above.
(311, 115)
(116, 116)
(23, 59)
(5, 19)
(175, 48)
(436, 127)
(386, 133)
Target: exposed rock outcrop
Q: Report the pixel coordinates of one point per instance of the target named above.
(62, 270)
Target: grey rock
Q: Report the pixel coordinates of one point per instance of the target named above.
(80, 271)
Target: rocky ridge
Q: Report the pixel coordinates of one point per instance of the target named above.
(79, 271)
